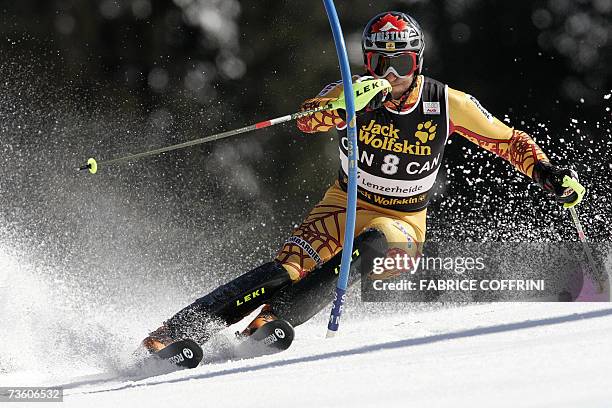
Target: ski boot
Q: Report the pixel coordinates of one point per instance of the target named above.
(158, 340)
(265, 316)
(266, 334)
(160, 345)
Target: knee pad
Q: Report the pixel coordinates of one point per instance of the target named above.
(400, 235)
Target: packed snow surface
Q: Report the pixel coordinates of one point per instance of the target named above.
(501, 355)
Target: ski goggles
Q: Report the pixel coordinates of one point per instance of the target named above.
(402, 65)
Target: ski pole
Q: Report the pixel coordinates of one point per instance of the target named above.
(364, 91)
(582, 236)
(587, 249)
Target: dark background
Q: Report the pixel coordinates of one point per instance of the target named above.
(107, 78)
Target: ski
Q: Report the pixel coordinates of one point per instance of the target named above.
(182, 354)
(273, 337)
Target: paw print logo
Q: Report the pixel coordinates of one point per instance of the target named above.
(426, 131)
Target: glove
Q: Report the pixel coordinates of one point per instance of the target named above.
(378, 101)
(563, 183)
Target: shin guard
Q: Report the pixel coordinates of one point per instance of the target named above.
(228, 303)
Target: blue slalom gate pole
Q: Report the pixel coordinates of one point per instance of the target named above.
(351, 197)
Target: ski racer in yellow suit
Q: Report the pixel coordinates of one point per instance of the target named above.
(401, 140)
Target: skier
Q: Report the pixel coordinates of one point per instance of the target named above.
(401, 140)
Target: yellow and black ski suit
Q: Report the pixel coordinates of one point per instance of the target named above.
(401, 146)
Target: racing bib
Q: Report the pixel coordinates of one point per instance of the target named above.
(400, 153)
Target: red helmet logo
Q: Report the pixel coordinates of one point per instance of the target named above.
(388, 23)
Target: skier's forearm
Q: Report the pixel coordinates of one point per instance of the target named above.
(523, 153)
(472, 121)
(324, 120)
(320, 121)
(519, 148)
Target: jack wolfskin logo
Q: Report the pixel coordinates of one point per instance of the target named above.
(387, 137)
(426, 131)
(374, 128)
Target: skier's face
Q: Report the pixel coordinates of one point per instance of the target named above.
(400, 84)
